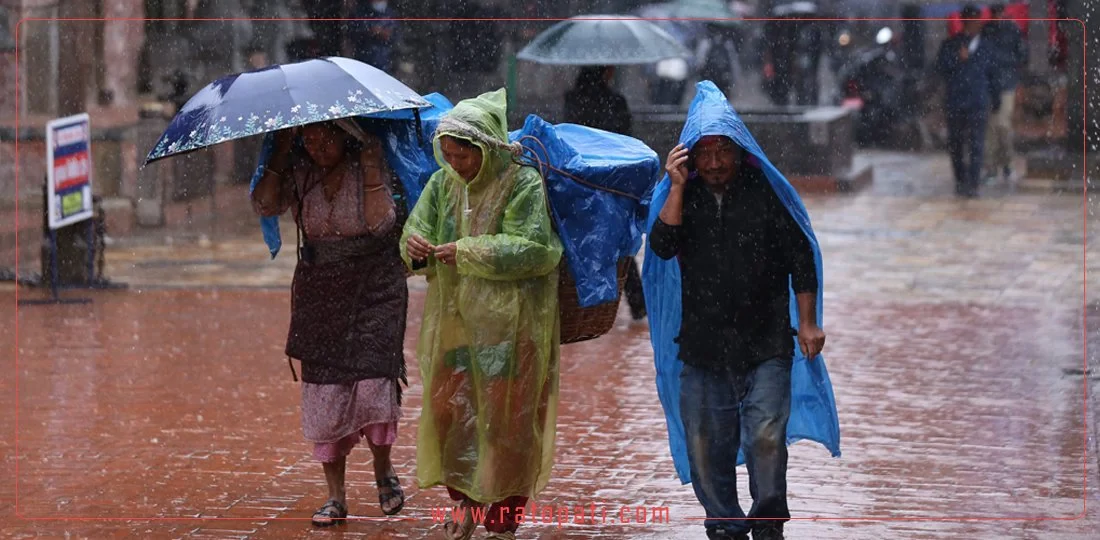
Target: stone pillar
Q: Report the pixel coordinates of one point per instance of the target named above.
(150, 192)
(76, 70)
(76, 84)
(122, 44)
(7, 63)
(39, 50)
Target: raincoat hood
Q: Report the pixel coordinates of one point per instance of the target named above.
(482, 120)
(813, 407)
(711, 114)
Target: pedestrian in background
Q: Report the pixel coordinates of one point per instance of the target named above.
(593, 102)
(373, 40)
(1010, 50)
(328, 31)
(968, 65)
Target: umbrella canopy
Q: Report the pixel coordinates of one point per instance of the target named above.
(715, 12)
(593, 40)
(282, 96)
(795, 9)
(685, 31)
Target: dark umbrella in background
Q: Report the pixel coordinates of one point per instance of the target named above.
(282, 96)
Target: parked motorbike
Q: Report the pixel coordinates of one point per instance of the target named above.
(885, 95)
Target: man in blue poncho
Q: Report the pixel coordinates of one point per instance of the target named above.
(733, 281)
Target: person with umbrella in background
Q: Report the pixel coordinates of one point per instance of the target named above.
(373, 40)
(594, 103)
(489, 343)
(597, 43)
(349, 299)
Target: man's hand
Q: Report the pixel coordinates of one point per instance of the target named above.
(676, 166)
(419, 248)
(811, 339)
(446, 253)
(964, 53)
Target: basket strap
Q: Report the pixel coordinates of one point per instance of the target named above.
(535, 161)
(542, 165)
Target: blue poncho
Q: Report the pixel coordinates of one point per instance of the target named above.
(596, 227)
(813, 408)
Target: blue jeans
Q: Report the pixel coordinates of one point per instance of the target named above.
(723, 411)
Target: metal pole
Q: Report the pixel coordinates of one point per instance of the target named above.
(511, 83)
(90, 279)
(54, 272)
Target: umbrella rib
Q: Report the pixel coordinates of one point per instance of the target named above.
(634, 31)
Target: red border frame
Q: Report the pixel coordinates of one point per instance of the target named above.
(1084, 269)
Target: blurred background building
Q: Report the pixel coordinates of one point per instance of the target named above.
(130, 75)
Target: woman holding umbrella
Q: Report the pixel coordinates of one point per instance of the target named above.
(488, 349)
(349, 297)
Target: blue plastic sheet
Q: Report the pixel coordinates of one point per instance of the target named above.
(409, 155)
(813, 407)
(596, 227)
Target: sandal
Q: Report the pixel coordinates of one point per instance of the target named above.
(332, 513)
(468, 526)
(393, 491)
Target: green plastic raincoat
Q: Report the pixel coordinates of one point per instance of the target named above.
(488, 349)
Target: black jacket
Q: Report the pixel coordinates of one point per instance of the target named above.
(737, 262)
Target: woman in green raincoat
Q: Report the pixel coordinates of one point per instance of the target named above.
(488, 350)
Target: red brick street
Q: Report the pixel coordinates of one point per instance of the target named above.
(955, 349)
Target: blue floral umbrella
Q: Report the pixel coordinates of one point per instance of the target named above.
(282, 96)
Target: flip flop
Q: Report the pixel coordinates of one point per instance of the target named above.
(334, 511)
(393, 485)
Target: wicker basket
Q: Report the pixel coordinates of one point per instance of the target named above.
(582, 324)
(577, 324)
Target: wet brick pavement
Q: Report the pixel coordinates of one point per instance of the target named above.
(955, 349)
